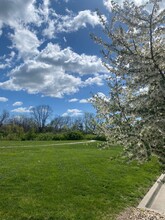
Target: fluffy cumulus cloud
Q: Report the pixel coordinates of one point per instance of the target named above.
(84, 101)
(97, 79)
(18, 12)
(73, 113)
(19, 16)
(70, 61)
(17, 103)
(70, 22)
(26, 42)
(73, 23)
(35, 77)
(3, 99)
(107, 4)
(55, 72)
(14, 11)
(23, 17)
(22, 110)
(42, 67)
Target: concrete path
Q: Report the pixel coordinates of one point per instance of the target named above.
(159, 201)
(49, 145)
(155, 199)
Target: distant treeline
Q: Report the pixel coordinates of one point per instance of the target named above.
(38, 125)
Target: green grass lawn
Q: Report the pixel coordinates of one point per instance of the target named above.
(39, 182)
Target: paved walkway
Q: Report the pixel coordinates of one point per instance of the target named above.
(155, 198)
(159, 201)
(49, 145)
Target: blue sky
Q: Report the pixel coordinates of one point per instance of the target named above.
(47, 55)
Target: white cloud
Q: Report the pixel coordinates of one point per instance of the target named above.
(45, 8)
(19, 15)
(51, 71)
(107, 4)
(26, 42)
(73, 113)
(17, 103)
(70, 22)
(84, 101)
(50, 30)
(73, 23)
(94, 80)
(79, 100)
(36, 77)
(3, 99)
(22, 110)
(55, 72)
(98, 79)
(24, 16)
(2, 66)
(71, 61)
(6, 60)
(73, 100)
(13, 12)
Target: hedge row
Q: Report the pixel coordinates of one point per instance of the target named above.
(70, 135)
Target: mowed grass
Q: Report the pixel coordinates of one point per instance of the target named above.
(39, 181)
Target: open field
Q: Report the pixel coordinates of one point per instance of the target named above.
(39, 181)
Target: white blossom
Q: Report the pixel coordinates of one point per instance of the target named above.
(134, 114)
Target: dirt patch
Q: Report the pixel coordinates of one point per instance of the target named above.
(139, 214)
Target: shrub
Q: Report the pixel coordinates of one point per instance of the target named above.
(94, 137)
(59, 137)
(12, 132)
(29, 136)
(74, 135)
(90, 137)
(100, 138)
(44, 137)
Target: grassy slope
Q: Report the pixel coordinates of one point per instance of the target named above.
(68, 182)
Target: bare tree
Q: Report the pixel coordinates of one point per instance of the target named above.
(40, 115)
(78, 124)
(3, 117)
(61, 123)
(89, 122)
(23, 121)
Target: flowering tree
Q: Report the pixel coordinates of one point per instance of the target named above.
(134, 54)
